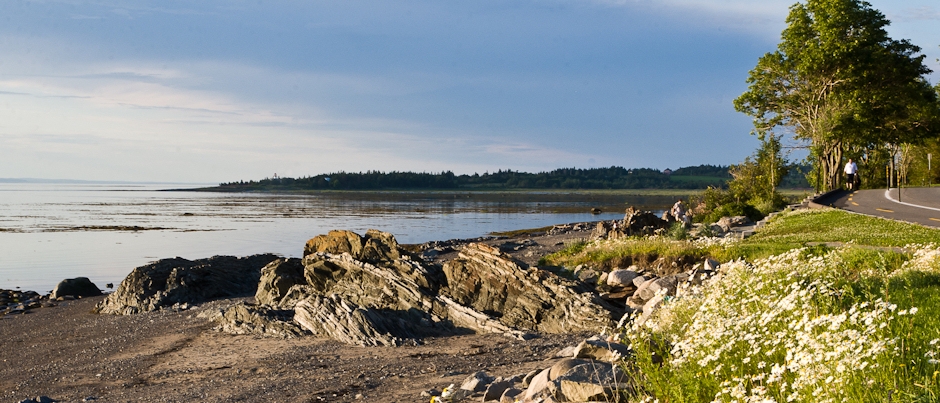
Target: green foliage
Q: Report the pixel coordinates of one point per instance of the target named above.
(838, 81)
(678, 231)
(752, 191)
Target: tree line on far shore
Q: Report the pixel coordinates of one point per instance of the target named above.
(693, 177)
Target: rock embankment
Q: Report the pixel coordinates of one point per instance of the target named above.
(588, 372)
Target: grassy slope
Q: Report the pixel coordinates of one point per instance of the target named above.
(818, 323)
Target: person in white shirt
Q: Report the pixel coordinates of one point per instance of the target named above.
(851, 173)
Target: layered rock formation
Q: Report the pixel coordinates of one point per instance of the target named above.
(367, 290)
(171, 281)
(489, 281)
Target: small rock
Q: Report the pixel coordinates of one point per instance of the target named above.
(561, 367)
(639, 280)
(592, 381)
(588, 276)
(430, 392)
(567, 352)
(477, 382)
(602, 350)
(621, 277)
(495, 390)
(537, 385)
(509, 395)
(712, 265)
(527, 379)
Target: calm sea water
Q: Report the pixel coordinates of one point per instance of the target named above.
(49, 232)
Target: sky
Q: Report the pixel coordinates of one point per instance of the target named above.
(217, 91)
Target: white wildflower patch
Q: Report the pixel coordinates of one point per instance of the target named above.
(776, 330)
(926, 259)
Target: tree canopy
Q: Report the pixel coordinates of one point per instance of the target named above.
(838, 82)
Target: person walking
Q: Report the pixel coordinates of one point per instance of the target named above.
(851, 173)
(681, 213)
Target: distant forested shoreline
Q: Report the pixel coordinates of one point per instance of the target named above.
(694, 177)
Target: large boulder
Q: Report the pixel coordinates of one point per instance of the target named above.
(177, 280)
(75, 287)
(489, 281)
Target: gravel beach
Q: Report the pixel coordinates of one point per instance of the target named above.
(70, 354)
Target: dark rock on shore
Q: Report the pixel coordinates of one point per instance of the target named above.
(76, 287)
(170, 281)
(15, 302)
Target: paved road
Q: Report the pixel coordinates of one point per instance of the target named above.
(920, 205)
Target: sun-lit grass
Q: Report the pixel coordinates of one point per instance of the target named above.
(804, 326)
(818, 306)
(830, 225)
(597, 252)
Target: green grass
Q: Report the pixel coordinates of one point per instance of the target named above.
(830, 225)
(814, 307)
(817, 324)
(598, 254)
(785, 232)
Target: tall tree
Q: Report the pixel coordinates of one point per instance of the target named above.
(837, 80)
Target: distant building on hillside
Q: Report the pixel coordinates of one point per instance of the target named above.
(667, 171)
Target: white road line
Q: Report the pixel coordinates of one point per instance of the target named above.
(888, 196)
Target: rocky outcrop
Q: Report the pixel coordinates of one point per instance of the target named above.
(367, 290)
(485, 279)
(76, 287)
(170, 281)
(635, 222)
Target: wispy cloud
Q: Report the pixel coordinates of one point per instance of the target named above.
(921, 13)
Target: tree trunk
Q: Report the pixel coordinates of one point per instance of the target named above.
(831, 161)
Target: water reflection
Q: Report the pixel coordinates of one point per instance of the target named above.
(51, 231)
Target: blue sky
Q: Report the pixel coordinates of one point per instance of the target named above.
(213, 91)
